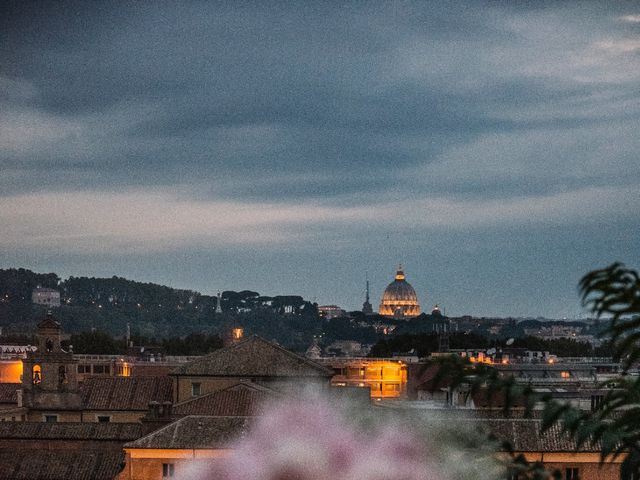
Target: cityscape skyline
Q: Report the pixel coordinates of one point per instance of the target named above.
(490, 148)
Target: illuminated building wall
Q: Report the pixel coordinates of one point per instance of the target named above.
(385, 378)
(154, 464)
(10, 371)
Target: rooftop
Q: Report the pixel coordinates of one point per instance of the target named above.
(524, 435)
(125, 393)
(8, 392)
(195, 432)
(253, 357)
(60, 465)
(124, 432)
(240, 400)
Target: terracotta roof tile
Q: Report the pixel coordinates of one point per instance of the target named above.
(254, 357)
(8, 392)
(240, 400)
(125, 393)
(124, 432)
(194, 432)
(60, 465)
(524, 435)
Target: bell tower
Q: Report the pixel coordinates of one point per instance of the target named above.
(50, 374)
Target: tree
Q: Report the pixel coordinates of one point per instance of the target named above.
(613, 294)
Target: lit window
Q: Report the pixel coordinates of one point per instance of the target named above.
(167, 470)
(195, 389)
(565, 374)
(238, 333)
(36, 374)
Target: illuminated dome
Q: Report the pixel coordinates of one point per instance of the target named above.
(399, 299)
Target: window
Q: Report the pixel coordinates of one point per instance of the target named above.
(84, 368)
(565, 374)
(167, 470)
(104, 418)
(101, 369)
(195, 389)
(36, 374)
(51, 418)
(572, 473)
(596, 401)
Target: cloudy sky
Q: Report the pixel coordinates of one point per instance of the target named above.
(290, 149)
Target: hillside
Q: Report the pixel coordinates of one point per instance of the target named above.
(152, 310)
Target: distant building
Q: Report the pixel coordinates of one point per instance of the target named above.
(50, 388)
(46, 296)
(253, 359)
(399, 299)
(76, 451)
(174, 450)
(384, 378)
(331, 311)
(347, 348)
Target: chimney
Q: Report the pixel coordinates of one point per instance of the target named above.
(167, 407)
(154, 410)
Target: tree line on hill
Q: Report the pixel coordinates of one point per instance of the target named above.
(150, 310)
(101, 343)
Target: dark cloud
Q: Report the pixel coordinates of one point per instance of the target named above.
(342, 105)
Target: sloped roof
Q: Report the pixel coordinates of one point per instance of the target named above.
(8, 392)
(125, 393)
(19, 464)
(253, 357)
(240, 400)
(195, 432)
(524, 435)
(123, 432)
(49, 322)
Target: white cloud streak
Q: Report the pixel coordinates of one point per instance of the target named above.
(147, 221)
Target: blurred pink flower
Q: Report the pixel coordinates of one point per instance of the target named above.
(312, 440)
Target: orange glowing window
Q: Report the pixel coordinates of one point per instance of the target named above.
(565, 374)
(36, 374)
(238, 333)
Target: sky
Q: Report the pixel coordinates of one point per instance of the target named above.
(300, 147)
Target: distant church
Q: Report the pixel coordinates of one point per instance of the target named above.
(399, 299)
